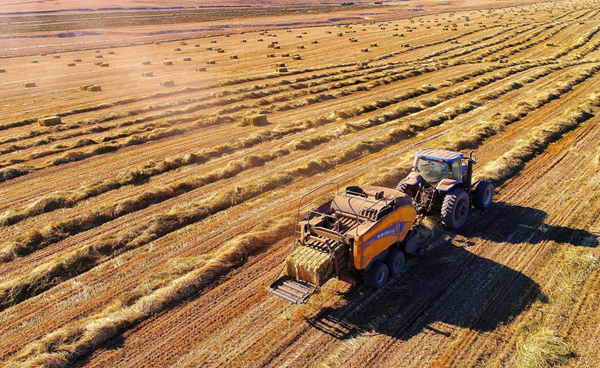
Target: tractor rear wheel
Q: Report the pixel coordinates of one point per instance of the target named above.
(377, 275)
(455, 208)
(483, 195)
(395, 261)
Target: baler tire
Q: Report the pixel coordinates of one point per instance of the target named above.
(377, 275)
(395, 261)
(455, 208)
(483, 195)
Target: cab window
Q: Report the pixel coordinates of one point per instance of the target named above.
(457, 170)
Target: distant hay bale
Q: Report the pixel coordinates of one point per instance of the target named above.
(304, 32)
(243, 40)
(260, 40)
(168, 83)
(254, 120)
(177, 49)
(99, 56)
(147, 74)
(85, 87)
(299, 36)
(168, 63)
(209, 48)
(285, 55)
(270, 55)
(211, 62)
(183, 43)
(197, 45)
(221, 51)
(56, 56)
(276, 47)
(77, 60)
(146, 63)
(213, 41)
(374, 45)
(300, 46)
(340, 35)
(104, 65)
(201, 69)
(362, 63)
(315, 41)
(2, 70)
(49, 121)
(43, 54)
(233, 57)
(34, 61)
(280, 65)
(282, 70)
(187, 59)
(94, 88)
(71, 64)
(97, 51)
(98, 63)
(328, 32)
(29, 84)
(297, 57)
(364, 50)
(111, 52)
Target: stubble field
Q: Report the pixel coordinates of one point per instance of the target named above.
(145, 229)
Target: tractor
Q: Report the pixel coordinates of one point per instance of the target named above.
(441, 183)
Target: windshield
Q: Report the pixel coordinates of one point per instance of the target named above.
(432, 170)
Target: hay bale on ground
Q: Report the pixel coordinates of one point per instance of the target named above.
(187, 59)
(200, 69)
(315, 41)
(111, 52)
(277, 47)
(99, 56)
(364, 50)
(98, 63)
(213, 41)
(221, 51)
(146, 63)
(2, 70)
(49, 121)
(104, 65)
(282, 70)
(211, 62)
(56, 56)
(85, 87)
(280, 65)
(297, 57)
(94, 88)
(34, 61)
(197, 45)
(285, 55)
(270, 55)
(43, 54)
(168, 63)
(183, 43)
(209, 48)
(77, 60)
(29, 84)
(300, 46)
(254, 120)
(177, 49)
(71, 64)
(233, 57)
(168, 83)
(147, 74)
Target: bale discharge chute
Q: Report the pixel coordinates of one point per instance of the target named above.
(366, 230)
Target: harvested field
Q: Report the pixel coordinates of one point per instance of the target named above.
(141, 226)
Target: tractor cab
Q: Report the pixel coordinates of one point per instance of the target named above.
(442, 169)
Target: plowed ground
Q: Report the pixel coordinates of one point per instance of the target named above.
(184, 185)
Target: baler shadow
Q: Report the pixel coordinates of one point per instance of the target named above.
(504, 222)
(450, 285)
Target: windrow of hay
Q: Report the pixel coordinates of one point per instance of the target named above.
(49, 203)
(538, 139)
(581, 41)
(309, 265)
(178, 280)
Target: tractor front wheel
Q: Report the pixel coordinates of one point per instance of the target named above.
(377, 275)
(483, 195)
(455, 208)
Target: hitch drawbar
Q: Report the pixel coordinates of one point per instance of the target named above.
(293, 290)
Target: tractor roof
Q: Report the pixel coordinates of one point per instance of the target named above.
(440, 155)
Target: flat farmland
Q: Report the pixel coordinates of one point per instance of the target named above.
(145, 228)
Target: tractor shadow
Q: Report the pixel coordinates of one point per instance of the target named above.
(450, 286)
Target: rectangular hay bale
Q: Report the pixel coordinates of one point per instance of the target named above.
(168, 83)
(49, 121)
(29, 84)
(308, 265)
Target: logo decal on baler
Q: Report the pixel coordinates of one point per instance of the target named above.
(394, 230)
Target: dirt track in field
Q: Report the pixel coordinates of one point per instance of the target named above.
(489, 80)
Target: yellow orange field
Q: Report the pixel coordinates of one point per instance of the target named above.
(144, 229)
